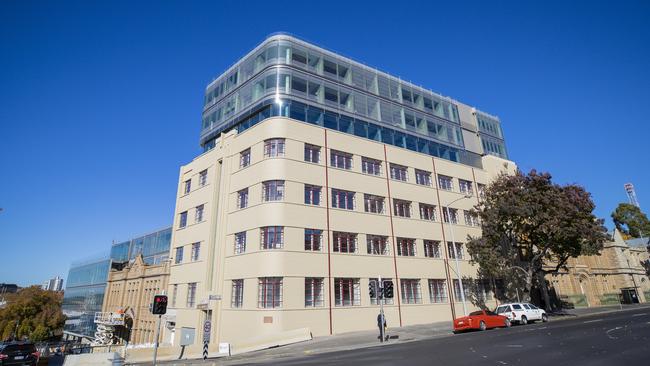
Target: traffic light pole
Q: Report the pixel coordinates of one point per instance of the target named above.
(380, 297)
(155, 344)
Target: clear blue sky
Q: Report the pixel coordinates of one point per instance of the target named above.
(100, 101)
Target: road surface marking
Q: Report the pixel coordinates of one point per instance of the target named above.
(514, 345)
(642, 314)
(592, 321)
(611, 330)
(503, 363)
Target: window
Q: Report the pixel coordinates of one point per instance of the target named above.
(196, 251)
(458, 252)
(179, 255)
(401, 208)
(273, 148)
(377, 245)
(398, 172)
(183, 219)
(314, 292)
(312, 153)
(432, 249)
(188, 186)
(373, 299)
(342, 199)
(457, 291)
(465, 186)
(372, 203)
(272, 237)
(270, 292)
(471, 219)
(411, 291)
(242, 198)
(406, 247)
(481, 190)
(340, 159)
(312, 195)
(240, 242)
(347, 292)
(485, 292)
(203, 177)
(313, 239)
(237, 294)
(422, 177)
(370, 166)
(445, 182)
(198, 215)
(174, 295)
(437, 291)
(345, 242)
(245, 158)
(191, 294)
(450, 215)
(273, 190)
(427, 212)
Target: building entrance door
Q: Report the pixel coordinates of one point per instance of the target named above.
(630, 296)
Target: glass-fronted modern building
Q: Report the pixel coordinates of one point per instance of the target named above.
(86, 283)
(285, 76)
(84, 294)
(154, 247)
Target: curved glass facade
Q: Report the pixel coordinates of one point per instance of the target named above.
(286, 69)
(154, 247)
(83, 296)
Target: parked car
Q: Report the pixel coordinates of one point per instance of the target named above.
(522, 313)
(18, 353)
(481, 320)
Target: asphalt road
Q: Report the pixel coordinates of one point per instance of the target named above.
(606, 339)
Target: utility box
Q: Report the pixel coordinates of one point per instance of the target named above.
(187, 336)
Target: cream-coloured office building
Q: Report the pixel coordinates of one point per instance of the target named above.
(320, 175)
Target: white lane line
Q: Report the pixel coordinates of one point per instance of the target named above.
(641, 314)
(514, 345)
(503, 363)
(592, 321)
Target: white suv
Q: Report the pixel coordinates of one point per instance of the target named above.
(522, 313)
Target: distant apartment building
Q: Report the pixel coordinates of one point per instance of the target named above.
(319, 176)
(53, 284)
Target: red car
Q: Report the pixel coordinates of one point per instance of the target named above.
(481, 320)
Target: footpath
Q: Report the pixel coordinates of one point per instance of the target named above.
(365, 339)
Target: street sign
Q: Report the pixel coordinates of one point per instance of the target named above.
(215, 297)
(207, 326)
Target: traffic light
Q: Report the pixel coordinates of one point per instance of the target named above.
(159, 306)
(388, 289)
(371, 289)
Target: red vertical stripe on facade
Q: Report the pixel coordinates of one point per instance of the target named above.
(392, 232)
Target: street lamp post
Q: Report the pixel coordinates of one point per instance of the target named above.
(453, 247)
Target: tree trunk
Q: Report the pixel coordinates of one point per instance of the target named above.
(544, 290)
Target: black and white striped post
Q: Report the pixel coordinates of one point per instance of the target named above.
(207, 326)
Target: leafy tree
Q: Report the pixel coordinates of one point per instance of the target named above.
(629, 220)
(531, 227)
(31, 313)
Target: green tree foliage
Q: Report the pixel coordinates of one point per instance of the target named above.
(31, 313)
(531, 227)
(629, 220)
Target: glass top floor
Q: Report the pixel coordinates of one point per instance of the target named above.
(283, 64)
(154, 247)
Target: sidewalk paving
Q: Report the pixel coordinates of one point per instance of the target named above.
(366, 339)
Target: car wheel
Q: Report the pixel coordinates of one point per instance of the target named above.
(482, 326)
(524, 320)
(507, 323)
(544, 318)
